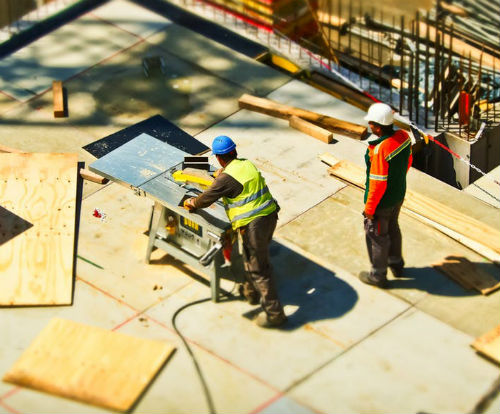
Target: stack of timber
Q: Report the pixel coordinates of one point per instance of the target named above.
(472, 233)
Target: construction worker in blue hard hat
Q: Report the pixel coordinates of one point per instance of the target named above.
(254, 213)
(388, 158)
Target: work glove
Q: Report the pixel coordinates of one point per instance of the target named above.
(216, 173)
(189, 204)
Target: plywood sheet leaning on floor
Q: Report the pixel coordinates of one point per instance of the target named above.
(37, 219)
(89, 364)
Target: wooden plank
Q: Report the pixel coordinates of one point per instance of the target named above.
(467, 274)
(58, 96)
(89, 364)
(272, 108)
(92, 176)
(4, 148)
(428, 208)
(311, 129)
(489, 344)
(36, 266)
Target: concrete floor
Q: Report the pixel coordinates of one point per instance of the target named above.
(348, 347)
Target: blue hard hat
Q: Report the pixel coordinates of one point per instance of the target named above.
(222, 145)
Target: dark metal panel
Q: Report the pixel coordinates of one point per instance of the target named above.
(157, 127)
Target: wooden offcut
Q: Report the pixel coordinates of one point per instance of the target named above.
(89, 364)
(92, 176)
(468, 274)
(465, 226)
(272, 108)
(4, 148)
(311, 129)
(58, 96)
(36, 265)
(489, 344)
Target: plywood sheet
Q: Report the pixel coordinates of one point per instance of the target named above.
(89, 364)
(468, 275)
(38, 195)
(489, 344)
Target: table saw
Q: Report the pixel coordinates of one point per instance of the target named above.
(147, 166)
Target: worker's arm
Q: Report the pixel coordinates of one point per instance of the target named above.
(379, 172)
(223, 186)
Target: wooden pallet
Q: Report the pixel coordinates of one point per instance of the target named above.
(89, 364)
(38, 196)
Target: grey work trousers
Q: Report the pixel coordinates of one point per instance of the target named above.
(383, 240)
(257, 236)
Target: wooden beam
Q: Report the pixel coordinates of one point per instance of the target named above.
(430, 209)
(92, 176)
(58, 95)
(310, 129)
(272, 108)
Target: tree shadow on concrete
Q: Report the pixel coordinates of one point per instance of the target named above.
(314, 290)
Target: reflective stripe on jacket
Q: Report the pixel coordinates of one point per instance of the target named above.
(254, 201)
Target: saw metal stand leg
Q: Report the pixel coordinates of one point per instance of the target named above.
(156, 215)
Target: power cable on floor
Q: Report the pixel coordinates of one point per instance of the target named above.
(206, 390)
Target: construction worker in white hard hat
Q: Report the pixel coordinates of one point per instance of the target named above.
(388, 159)
(253, 212)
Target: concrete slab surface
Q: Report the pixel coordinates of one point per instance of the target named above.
(394, 371)
(486, 189)
(130, 17)
(348, 347)
(61, 55)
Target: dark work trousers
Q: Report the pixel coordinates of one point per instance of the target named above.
(257, 236)
(383, 240)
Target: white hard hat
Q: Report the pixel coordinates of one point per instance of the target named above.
(380, 113)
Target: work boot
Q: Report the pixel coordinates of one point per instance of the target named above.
(397, 271)
(266, 321)
(369, 279)
(249, 293)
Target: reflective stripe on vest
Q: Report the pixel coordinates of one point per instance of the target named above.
(254, 200)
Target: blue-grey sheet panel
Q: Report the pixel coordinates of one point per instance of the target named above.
(138, 161)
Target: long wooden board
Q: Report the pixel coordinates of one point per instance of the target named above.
(426, 207)
(278, 110)
(36, 265)
(489, 344)
(468, 274)
(311, 129)
(89, 364)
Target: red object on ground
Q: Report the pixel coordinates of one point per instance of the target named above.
(464, 108)
(96, 213)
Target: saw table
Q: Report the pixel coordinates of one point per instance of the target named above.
(146, 165)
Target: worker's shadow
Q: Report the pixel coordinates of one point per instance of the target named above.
(308, 291)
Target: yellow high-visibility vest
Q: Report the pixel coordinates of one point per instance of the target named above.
(254, 201)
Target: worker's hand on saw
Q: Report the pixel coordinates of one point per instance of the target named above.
(189, 204)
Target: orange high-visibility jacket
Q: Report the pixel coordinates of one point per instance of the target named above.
(387, 161)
